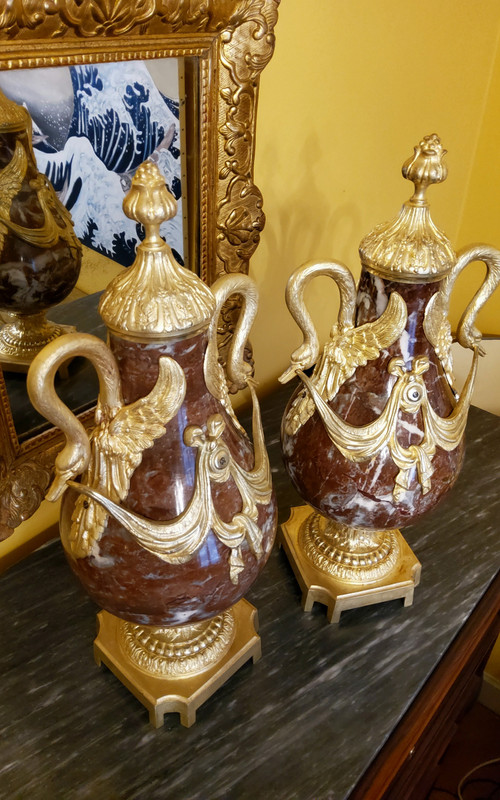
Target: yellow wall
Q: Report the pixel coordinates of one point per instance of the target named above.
(351, 88)
(481, 214)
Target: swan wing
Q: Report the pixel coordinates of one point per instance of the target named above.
(354, 348)
(344, 353)
(117, 447)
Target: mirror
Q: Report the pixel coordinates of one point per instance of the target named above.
(93, 125)
(223, 47)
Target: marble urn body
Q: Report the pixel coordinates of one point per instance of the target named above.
(373, 491)
(40, 255)
(142, 579)
(174, 514)
(373, 437)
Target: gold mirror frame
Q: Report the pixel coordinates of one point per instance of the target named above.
(232, 40)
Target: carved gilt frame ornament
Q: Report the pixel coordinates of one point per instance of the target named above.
(232, 41)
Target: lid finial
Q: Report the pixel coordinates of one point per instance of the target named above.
(411, 248)
(156, 297)
(149, 201)
(425, 167)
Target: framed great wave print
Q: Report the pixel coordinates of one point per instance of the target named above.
(93, 125)
(200, 122)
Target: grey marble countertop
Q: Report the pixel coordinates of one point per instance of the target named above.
(304, 722)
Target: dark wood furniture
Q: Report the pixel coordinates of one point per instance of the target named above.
(407, 765)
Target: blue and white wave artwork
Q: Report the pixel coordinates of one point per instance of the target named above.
(116, 118)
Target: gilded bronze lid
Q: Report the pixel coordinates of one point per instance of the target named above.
(13, 117)
(411, 248)
(155, 297)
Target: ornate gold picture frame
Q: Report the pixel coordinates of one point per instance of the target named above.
(226, 44)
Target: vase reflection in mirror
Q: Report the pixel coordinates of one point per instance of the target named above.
(40, 255)
(374, 438)
(174, 515)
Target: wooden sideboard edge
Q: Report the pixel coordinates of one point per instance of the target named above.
(381, 773)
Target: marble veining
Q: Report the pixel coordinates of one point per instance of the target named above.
(342, 488)
(302, 724)
(133, 581)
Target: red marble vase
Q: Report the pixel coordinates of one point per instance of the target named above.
(40, 255)
(360, 494)
(127, 580)
(173, 515)
(374, 437)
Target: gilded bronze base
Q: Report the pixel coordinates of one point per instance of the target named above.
(176, 670)
(385, 570)
(23, 336)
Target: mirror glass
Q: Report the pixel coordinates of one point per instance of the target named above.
(93, 124)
